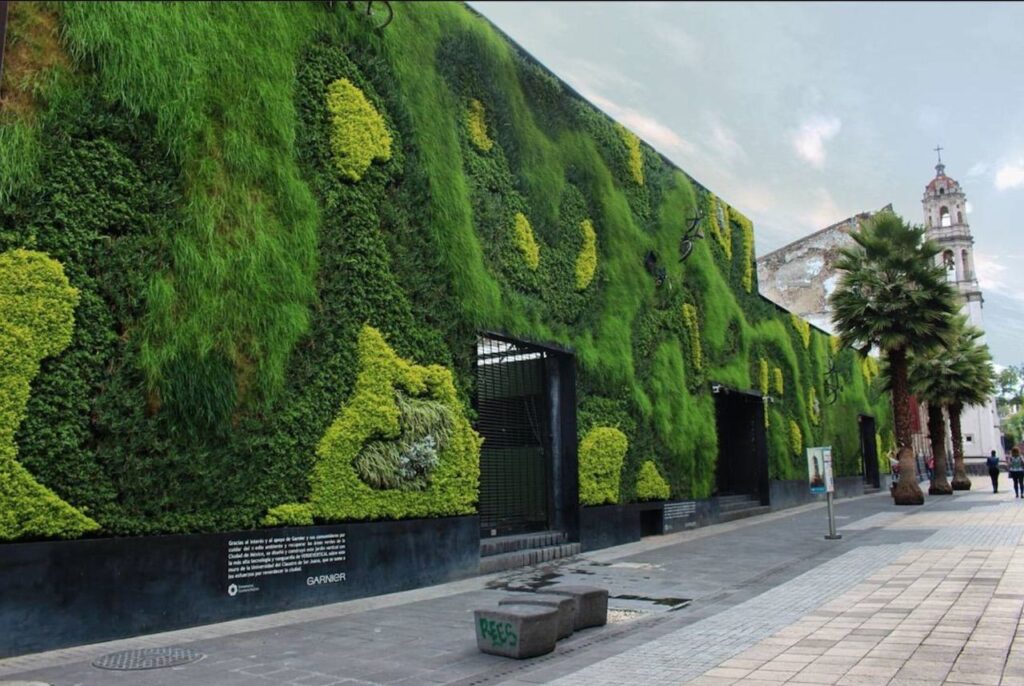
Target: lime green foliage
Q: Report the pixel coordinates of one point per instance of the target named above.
(869, 369)
(835, 343)
(763, 378)
(813, 407)
(37, 303)
(476, 126)
(649, 484)
(636, 158)
(586, 262)
(717, 220)
(778, 383)
(601, 454)
(359, 136)
(525, 241)
(747, 233)
(692, 325)
(292, 514)
(803, 327)
(796, 438)
(374, 414)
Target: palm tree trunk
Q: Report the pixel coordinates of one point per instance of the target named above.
(960, 480)
(907, 491)
(937, 433)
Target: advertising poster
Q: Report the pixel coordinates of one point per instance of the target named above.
(819, 469)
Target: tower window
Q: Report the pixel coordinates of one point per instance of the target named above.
(949, 262)
(944, 218)
(959, 217)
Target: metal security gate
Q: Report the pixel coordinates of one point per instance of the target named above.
(742, 467)
(513, 412)
(869, 451)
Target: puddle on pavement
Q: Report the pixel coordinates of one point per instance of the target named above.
(671, 603)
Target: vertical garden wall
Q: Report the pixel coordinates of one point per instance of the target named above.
(246, 250)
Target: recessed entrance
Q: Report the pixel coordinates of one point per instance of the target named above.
(525, 404)
(742, 454)
(869, 451)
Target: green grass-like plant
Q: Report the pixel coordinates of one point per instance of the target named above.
(226, 268)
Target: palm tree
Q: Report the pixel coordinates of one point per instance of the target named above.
(977, 384)
(893, 295)
(938, 376)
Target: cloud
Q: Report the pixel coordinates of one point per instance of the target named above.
(823, 211)
(1010, 175)
(995, 275)
(722, 142)
(680, 46)
(590, 78)
(648, 128)
(809, 140)
(977, 169)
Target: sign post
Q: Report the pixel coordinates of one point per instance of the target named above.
(819, 474)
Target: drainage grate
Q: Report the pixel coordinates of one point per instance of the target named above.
(147, 658)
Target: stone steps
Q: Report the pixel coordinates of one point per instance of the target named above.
(737, 505)
(509, 544)
(521, 550)
(743, 513)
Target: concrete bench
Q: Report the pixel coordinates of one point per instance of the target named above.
(591, 603)
(518, 631)
(566, 606)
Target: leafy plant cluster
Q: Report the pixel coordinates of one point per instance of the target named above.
(264, 336)
(38, 305)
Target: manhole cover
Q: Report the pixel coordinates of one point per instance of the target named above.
(147, 658)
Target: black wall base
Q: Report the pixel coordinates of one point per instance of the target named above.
(794, 492)
(63, 593)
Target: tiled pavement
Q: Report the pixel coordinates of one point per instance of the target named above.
(911, 596)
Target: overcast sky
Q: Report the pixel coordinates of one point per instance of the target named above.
(803, 114)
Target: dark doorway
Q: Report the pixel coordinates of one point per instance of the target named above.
(525, 404)
(869, 451)
(742, 447)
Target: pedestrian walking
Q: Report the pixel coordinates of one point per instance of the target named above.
(1017, 472)
(993, 471)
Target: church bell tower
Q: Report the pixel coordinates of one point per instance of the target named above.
(945, 217)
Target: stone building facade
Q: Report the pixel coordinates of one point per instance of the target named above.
(801, 276)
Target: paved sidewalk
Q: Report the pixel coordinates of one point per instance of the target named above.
(915, 596)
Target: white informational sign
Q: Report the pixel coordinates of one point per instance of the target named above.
(819, 469)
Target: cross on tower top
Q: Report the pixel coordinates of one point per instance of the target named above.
(938, 149)
(940, 168)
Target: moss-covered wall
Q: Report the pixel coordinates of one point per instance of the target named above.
(239, 192)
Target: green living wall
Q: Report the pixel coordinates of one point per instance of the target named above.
(280, 232)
